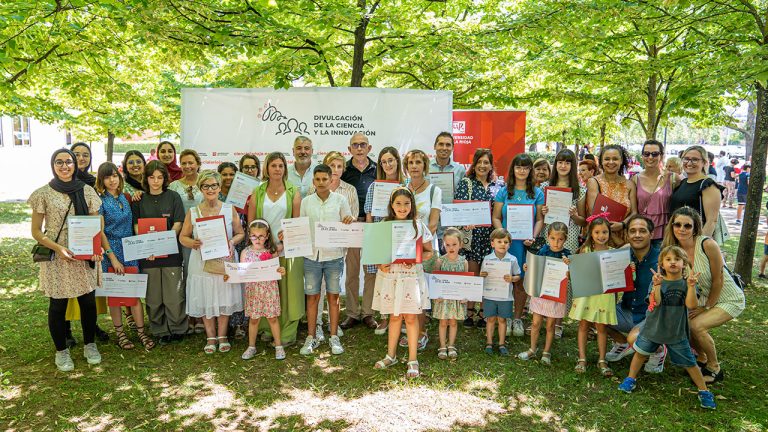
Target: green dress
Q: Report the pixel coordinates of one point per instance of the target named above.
(292, 284)
(450, 309)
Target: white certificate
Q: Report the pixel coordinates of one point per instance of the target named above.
(443, 180)
(212, 232)
(81, 234)
(297, 239)
(520, 221)
(455, 287)
(403, 241)
(495, 287)
(558, 206)
(126, 285)
(555, 271)
(337, 234)
(154, 243)
(612, 267)
(258, 271)
(465, 213)
(242, 187)
(382, 190)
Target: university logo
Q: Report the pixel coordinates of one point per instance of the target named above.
(285, 125)
(459, 127)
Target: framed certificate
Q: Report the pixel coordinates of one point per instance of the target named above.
(212, 232)
(520, 221)
(558, 202)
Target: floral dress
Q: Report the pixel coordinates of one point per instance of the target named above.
(262, 299)
(450, 309)
(472, 189)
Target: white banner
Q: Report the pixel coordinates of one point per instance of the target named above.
(223, 124)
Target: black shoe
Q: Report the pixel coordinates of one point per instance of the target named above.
(177, 337)
(762, 276)
(164, 340)
(101, 334)
(480, 323)
(349, 323)
(469, 322)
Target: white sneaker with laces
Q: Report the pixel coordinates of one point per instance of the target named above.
(319, 335)
(64, 361)
(249, 353)
(335, 344)
(91, 354)
(339, 331)
(619, 351)
(310, 343)
(655, 363)
(517, 328)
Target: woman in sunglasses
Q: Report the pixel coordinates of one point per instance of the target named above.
(654, 188)
(720, 299)
(698, 191)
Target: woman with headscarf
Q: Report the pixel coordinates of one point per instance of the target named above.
(65, 277)
(133, 173)
(166, 153)
(82, 152)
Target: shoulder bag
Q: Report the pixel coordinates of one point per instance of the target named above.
(42, 253)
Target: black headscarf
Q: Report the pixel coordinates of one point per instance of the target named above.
(74, 188)
(130, 180)
(84, 175)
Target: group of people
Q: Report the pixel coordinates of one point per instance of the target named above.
(670, 226)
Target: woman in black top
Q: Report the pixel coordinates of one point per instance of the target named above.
(698, 191)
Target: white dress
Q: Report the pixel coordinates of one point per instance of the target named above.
(273, 213)
(403, 289)
(207, 294)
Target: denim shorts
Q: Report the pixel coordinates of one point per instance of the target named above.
(316, 271)
(741, 199)
(625, 321)
(679, 353)
(497, 308)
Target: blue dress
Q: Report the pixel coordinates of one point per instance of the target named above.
(118, 223)
(517, 248)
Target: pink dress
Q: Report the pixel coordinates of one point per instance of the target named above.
(655, 205)
(262, 299)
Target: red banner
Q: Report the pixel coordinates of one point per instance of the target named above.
(501, 131)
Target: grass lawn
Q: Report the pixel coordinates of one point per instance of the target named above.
(178, 387)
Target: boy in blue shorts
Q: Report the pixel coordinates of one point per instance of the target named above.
(497, 305)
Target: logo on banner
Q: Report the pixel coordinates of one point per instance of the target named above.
(285, 125)
(459, 127)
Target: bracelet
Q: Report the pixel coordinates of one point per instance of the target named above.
(108, 251)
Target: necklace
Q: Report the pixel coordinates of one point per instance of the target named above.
(416, 189)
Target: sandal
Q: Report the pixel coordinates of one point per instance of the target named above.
(413, 369)
(442, 353)
(546, 358)
(129, 321)
(145, 339)
(558, 332)
(489, 349)
(581, 366)
(709, 373)
(122, 340)
(199, 328)
(503, 351)
(386, 362)
(224, 347)
(210, 348)
(452, 353)
(604, 369)
(527, 355)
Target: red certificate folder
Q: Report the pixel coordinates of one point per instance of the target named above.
(561, 189)
(149, 225)
(223, 222)
(629, 278)
(96, 247)
(616, 211)
(417, 260)
(123, 301)
(563, 293)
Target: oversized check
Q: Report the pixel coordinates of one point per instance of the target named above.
(338, 234)
(145, 245)
(455, 287)
(125, 285)
(465, 213)
(257, 271)
(242, 187)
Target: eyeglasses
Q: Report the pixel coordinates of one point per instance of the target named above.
(249, 167)
(691, 160)
(651, 154)
(209, 186)
(388, 161)
(359, 145)
(134, 162)
(61, 163)
(679, 225)
(190, 195)
(258, 237)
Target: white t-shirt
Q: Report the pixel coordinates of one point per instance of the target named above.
(428, 200)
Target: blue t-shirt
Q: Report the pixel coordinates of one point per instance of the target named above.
(743, 183)
(547, 252)
(517, 248)
(636, 300)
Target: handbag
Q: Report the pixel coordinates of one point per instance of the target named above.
(42, 253)
(214, 266)
(467, 233)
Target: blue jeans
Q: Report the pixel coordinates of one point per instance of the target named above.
(315, 271)
(680, 352)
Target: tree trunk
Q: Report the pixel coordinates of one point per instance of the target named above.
(602, 135)
(650, 130)
(746, 253)
(358, 55)
(110, 145)
(749, 128)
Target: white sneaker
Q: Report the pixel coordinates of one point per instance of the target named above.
(279, 353)
(335, 344)
(249, 353)
(339, 331)
(64, 361)
(655, 363)
(91, 354)
(619, 351)
(517, 328)
(319, 335)
(310, 344)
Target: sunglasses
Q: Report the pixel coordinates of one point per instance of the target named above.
(651, 154)
(679, 225)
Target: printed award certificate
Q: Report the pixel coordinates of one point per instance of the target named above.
(242, 187)
(212, 232)
(338, 234)
(459, 214)
(520, 221)
(297, 239)
(84, 236)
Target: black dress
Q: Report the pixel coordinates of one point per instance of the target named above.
(689, 194)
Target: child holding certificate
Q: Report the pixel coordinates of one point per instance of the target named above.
(599, 309)
(262, 299)
(401, 289)
(673, 295)
(448, 311)
(557, 233)
(498, 300)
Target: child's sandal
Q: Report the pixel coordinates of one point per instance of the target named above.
(130, 322)
(527, 355)
(442, 353)
(452, 353)
(224, 347)
(210, 348)
(581, 366)
(489, 349)
(558, 331)
(386, 362)
(122, 340)
(546, 358)
(413, 369)
(503, 351)
(145, 339)
(604, 369)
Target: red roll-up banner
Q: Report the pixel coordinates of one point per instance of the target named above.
(501, 131)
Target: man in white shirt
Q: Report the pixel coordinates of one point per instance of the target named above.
(325, 263)
(300, 173)
(720, 163)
